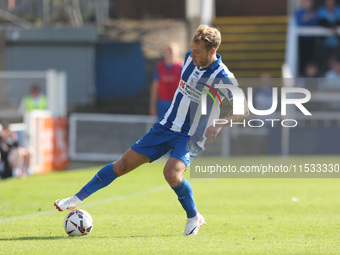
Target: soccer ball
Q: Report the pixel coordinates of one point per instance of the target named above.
(78, 223)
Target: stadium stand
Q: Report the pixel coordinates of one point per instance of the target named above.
(253, 45)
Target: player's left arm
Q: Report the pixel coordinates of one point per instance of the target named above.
(212, 131)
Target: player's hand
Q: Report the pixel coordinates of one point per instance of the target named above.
(212, 132)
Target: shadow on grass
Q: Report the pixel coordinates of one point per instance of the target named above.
(30, 238)
(36, 238)
(141, 236)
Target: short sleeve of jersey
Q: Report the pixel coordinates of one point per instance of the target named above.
(229, 79)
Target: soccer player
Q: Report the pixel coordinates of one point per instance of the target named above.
(165, 81)
(183, 129)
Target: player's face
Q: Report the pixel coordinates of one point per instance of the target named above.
(200, 55)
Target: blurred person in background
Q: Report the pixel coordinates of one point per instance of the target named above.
(5, 169)
(264, 95)
(35, 101)
(333, 76)
(329, 16)
(332, 83)
(306, 16)
(16, 159)
(311, 79)
(165, 81)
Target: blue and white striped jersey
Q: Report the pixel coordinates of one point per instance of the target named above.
(197, 84)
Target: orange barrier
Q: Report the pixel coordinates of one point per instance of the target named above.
(49, 140)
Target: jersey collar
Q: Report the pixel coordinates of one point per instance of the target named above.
(213, 65)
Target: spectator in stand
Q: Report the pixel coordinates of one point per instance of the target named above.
(306, 16)
(263, 98)
(311, 79)
(166, 79)
(333, 77)
(329, 16)
(15, 158)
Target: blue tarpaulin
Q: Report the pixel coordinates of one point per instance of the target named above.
(120, 70)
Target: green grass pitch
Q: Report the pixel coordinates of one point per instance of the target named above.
(140, 214)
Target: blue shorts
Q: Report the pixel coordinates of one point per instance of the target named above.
(159, 140)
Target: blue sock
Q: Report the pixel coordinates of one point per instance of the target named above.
(104, 177)
(185, 197)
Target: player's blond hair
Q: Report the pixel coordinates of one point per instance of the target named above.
(209, 35)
